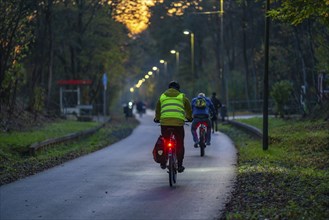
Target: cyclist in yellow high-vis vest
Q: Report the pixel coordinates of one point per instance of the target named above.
(172, 109)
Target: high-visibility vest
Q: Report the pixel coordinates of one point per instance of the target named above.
(172, 107)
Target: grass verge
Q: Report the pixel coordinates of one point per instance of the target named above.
(16, 163)
(288, 181)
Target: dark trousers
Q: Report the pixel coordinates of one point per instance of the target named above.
(196, 123)
(179, 134)
(214, 124)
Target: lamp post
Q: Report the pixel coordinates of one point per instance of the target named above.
(163, 76)
(224, 89)
(187, 32)
(224, 80)
(132, 90)
(165, 66)
(177, 60)
(156, 70)
(265, 93)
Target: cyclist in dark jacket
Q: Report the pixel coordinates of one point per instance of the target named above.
(141, 108)
(201, 115)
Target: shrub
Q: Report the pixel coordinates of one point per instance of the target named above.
(281, 92)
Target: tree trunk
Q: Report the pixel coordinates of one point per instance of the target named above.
(245, 54)
(303, 70)
(51, 50)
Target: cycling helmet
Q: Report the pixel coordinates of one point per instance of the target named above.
(174, 85)
(201, 94)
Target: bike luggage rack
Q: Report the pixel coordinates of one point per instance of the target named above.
(52, 141)
(248, 128)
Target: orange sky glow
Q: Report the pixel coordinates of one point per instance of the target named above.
(136, 14)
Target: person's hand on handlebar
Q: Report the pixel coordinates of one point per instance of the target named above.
(189, 119)
(156, 120)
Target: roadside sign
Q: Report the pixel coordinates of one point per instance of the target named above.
(105, 81)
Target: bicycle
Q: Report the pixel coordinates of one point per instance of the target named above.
(202, 138)
(170, 144)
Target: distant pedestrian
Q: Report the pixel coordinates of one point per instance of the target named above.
(214, 117)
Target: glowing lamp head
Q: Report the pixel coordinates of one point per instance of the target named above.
(186, 32)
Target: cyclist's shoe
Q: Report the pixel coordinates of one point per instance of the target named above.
(208, 143)
(163, 166)
(181, 169)
(196, 145)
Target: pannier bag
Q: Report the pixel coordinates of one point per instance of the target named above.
(159, 154)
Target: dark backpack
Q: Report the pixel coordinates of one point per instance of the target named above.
(159, 154)
(200, 103)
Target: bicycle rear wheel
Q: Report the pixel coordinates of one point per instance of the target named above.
(171, 171)
(175, 166)
(202, 142)
(202, 146)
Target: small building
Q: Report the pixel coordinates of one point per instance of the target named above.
(74, 97)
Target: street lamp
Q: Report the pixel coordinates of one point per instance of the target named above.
(265, 80)
(222, 68)
(165, 66)
(187, 32)
(163, 76)
(177, 60)
(156, 70)
(220, 12)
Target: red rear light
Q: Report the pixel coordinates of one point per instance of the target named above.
(170, 143)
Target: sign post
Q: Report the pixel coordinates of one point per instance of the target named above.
(265, 80)
(104, 93)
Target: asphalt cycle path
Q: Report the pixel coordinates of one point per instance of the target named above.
(122, 181)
